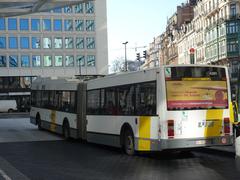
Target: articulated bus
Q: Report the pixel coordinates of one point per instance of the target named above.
(170, 107)
(59, 105)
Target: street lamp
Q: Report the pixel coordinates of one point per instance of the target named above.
(125, 44)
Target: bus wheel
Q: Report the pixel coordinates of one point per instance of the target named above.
(66, 130)
(10, 111)
(128, 143)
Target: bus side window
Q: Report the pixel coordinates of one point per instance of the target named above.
(66, 101)
(110, 99)
(111, 108)
(126, 100)
(93, 102)
(146, 99)
(45, 99)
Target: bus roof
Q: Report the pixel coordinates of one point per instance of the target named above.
(53, 83)
(145, 75)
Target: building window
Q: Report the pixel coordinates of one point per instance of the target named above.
(69, 61)
(47, 43)
(47, 25)
(36, 61)
(89, 7)
(25, 62)
(35, 24)
(12, 24)
(36, 42)
(68, 42)
(13, 61)
(57, 42)
(3, 61)
(58, 61)
(80, 43)
(90, 42)
(24, 43)
(232, 46)
(2, 42)
(91, 60)
(2, 24)
(57, 10)
(232, 27)
(222, 30)
(79, 25)
(222, 45)
(79, 8)
(68, 9)
(13, 44)
(24, 25)
(47, 61)
(57, 25)
(80, 60)
(90, 26)
(232, 10)
(68, 25)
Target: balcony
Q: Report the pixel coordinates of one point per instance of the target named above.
(212, 10)
(233, 17)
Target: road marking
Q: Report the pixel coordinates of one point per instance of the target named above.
(7, 168)
(4, 175)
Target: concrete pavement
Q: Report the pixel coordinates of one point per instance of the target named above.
(21, 130)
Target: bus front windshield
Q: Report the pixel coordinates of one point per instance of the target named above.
(196, 88)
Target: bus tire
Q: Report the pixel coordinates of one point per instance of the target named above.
(66, 130)
(39, 122)
(128, 142)
(10, 110)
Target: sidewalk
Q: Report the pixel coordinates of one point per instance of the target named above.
(14, 115)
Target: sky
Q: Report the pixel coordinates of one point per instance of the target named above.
(138, 22)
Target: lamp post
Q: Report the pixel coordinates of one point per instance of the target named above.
(125, 44)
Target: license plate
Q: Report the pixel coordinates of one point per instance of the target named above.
(200, 142)
(206, 124)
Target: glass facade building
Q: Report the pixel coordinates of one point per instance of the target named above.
(62, 42)
(62, 34)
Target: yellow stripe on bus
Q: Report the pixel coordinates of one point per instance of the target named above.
(232, 120)
(53, 121)
(144, 133)
(196, 79)
(213, 125)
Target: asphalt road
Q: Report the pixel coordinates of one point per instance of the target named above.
(52, 158)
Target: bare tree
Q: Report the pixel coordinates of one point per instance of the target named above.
(118, 65)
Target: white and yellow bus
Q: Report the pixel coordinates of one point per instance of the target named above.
(59, 105)
(170, 107)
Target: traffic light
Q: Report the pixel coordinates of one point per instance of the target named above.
(138, 56)
(145, 54)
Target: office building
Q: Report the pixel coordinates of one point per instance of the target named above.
(65, 41)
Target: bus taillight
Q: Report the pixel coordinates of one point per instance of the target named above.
(170, 128)
(226, 126)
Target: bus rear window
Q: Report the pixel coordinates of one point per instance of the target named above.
(196, 88)
(179, 73)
